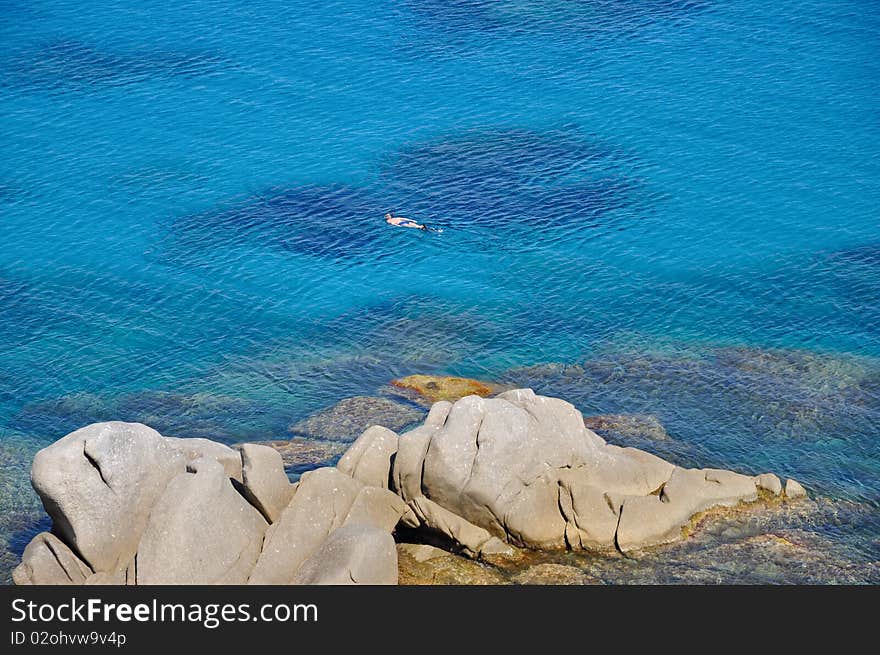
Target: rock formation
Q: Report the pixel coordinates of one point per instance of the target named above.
(485, 476)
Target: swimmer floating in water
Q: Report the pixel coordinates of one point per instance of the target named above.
(400, 221)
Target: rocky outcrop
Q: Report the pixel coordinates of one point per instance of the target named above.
(130, 506)
(524, 469)
(487, 478)
(319, 506)
(201, 531)
(99, 484)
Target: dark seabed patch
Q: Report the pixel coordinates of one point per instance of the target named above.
(501, 183)
(138, 324)
(28, 311)
(65, 65)
(347, 419)
(357, 354)
(512, 178)
(11, 194)
(332, 222)
(258, 394)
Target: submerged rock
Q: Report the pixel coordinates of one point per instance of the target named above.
(345, 420)
(767, 394)
(200, 414)
(434, 388)
(550, 573)
(626, 426)
(298, 453)
(22, 515)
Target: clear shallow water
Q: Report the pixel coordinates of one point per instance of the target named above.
(661, 193)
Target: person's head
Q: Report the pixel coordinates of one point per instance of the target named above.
(389, 215)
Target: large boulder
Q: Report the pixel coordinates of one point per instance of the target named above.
(320, 505)
(99, 484)
(48, 561)
(352, 554)
(377, 508)
(524, 469)
(201, 531)
(794, 490)
(265, 483)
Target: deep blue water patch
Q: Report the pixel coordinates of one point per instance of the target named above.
(28, 311)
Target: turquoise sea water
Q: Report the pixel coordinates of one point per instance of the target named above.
(674, 203)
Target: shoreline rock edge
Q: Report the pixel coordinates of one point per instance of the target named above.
(485, 476)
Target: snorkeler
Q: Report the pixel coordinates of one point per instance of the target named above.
(400, 221)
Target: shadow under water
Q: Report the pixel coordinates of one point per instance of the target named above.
(493, 187)
(502, 178)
